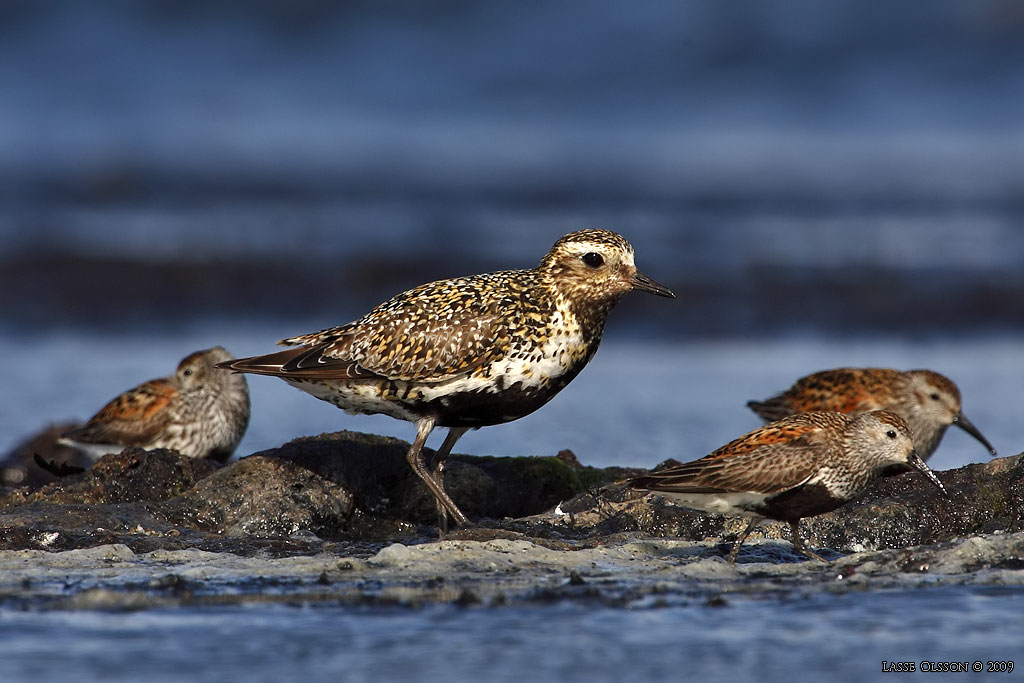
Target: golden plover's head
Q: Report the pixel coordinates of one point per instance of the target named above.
(597, 265)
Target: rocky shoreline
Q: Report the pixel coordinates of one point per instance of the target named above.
(340, 517)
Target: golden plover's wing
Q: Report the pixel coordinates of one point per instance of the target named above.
(431, 333)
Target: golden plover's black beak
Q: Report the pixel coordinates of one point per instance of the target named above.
(918, 464)
(642, 283)
(963, 423)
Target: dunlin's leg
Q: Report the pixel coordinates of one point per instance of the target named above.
(742, 537)
(438, 472)
(415, 458)
(799, 544)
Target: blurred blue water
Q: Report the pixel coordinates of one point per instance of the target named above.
(825, 184)
(637, 403)
(844, 103)
(470, 93)
(738, 148)
(841, 637)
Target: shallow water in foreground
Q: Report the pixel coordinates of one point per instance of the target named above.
(643, 609)
(636, 404)
(844, 637)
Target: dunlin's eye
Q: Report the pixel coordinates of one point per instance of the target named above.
(935, 397)
(891, 433)
(593, 259)
(187, 372)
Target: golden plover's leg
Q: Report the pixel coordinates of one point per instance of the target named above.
(454, 433)
(742, 537)
(415, 457)
(799, 544)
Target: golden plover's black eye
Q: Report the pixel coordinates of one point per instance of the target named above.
(593, 260)
(935, 397)
(891, 433)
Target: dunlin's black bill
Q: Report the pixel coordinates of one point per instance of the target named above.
(467, 352)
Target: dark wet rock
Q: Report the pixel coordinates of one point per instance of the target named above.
(895, 512)
(62, 526)
(20, 468)
(347, 487)
(902, 511)
(129, 476)
(538, 534)
(142, 528)
(264, 497)
(375, 469)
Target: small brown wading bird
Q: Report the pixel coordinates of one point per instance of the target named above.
(467, 352)
(799, 466)
(928, 401)
(200, 411)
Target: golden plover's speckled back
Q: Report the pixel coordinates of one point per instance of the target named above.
(470, 351)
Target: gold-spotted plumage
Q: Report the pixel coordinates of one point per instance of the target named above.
(799, 466)
(470, 351)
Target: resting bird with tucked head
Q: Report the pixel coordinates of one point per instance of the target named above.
(201, 411)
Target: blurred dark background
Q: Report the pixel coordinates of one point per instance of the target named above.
(789, 167)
